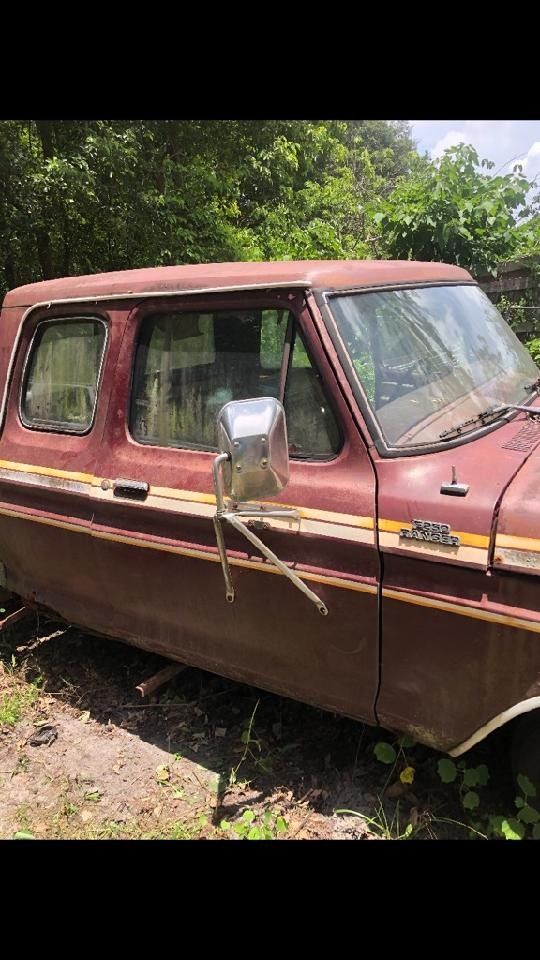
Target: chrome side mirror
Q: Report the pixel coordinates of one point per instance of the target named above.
(254, 435)
(254, 462)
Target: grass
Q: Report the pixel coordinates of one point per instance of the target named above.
(23, 816)
(174, 831)
(112, 830)
(15, 703)
(64, 826)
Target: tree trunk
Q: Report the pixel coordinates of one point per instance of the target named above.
(44, 249)
(43, 239)
(10, 272)
(44, 128)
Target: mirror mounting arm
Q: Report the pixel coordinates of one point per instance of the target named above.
(218, 524)
(218, 483)
(293, 577)
(233, 518)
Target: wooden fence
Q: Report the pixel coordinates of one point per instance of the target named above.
(516, 291)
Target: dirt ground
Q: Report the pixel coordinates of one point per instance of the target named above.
(82, 755)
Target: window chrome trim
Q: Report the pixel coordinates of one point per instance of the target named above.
(46, 426)
(141, 295)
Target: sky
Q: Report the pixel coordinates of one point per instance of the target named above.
(507, 142)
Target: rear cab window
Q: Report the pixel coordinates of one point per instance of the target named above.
(61, 374)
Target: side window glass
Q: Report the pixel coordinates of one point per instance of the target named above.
(312, 429)
(273, 331)
(188, 365)
(62, 374)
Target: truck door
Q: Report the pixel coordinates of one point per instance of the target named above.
(458, 640)
(161, 581)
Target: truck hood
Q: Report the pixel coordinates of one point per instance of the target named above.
(500, 512)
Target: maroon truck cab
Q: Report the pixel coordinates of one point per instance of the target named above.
(363, 535)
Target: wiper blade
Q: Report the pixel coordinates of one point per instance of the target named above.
(533, 387)
(485, 415)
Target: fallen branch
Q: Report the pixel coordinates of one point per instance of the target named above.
(14, 617)
(147, 687)
(149, 706)
(28, 647)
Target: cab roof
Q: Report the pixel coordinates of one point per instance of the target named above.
(315, 274)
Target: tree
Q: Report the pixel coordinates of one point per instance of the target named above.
(527, 236)
(453, 211)
(388, 144)
(86, 196)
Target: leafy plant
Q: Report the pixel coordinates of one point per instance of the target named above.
(471, 779)
(392, 755)
(91, 195)
(381, 825)
(252, 826)
(533, 346)
(252, 749)
(92, 796)
(389, 754)
(515, 828)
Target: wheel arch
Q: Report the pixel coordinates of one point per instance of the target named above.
(524, 706)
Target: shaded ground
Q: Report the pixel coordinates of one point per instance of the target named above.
(203, 751)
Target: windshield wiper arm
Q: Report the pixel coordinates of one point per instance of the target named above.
(533, 387)
(485, 415)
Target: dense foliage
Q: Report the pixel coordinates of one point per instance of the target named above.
(454, 210)
(80, 197)
(86, 196)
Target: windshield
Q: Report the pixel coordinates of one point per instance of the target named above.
(430, 358)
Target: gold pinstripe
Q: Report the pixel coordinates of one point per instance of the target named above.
(472, 612)
(183, 551)
(391, 526)
(504, 540)
(192, 496)
(342, 583)
(47, 471)
(172, 493)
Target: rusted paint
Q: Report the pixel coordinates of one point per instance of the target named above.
(458, 644)
(518, 529)
(332, 660)
(466, 672)
(452, 674)
(317, 274)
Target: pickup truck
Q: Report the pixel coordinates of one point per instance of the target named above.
(320, 478)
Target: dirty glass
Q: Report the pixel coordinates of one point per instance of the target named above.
(62, 376)
(429, 358)
(311, 425)
(188, 365)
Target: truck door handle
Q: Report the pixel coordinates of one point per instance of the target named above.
(131, 489)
